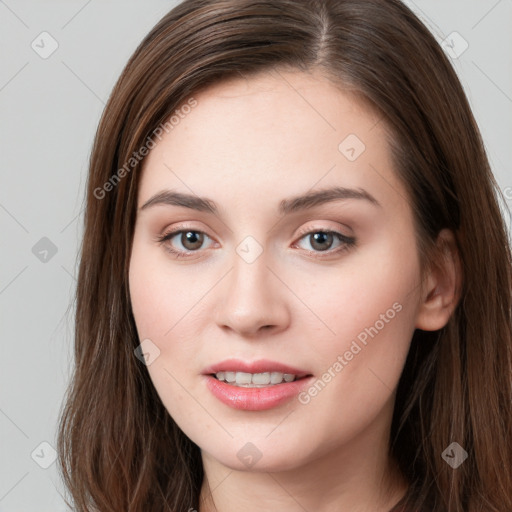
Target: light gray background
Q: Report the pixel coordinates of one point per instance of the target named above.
(49, 112)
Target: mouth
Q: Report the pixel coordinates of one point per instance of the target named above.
(254, 373)
(255, 386)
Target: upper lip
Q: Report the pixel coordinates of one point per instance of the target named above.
(260, 366)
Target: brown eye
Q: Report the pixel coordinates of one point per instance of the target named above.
(191, 240)
(183, 242)
(325, 241)
(321, 240)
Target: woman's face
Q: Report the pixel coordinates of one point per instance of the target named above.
(269, 282)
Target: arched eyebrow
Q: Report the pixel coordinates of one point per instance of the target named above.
(172, 198)
(286, 206)
(312, 199)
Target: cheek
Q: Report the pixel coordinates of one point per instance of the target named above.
(160, 306)
(169, 308)
(158, 291)
(368, 288)
(370, 309)
(370, 301)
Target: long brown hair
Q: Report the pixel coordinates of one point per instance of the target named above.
(119, 449)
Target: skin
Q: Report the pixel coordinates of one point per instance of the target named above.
(247, 145)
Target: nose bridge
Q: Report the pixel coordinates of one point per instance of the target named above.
(251, 297)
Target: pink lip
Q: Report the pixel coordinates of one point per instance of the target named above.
(261, 366)
(255, 399)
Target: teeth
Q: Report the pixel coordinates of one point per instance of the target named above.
(261, 378)
(243, 378)
(276, 377)
(255, 380)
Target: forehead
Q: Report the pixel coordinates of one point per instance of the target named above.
(294, 102)
(270, 130)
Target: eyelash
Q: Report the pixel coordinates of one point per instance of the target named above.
(347, 242)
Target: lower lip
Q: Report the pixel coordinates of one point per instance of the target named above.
(255, 399)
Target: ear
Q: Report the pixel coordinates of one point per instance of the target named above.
(441, 289)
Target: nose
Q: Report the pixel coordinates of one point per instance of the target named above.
(252, 300)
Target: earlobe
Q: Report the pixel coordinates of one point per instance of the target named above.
(443, 281)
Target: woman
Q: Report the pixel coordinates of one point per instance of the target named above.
(295, 280)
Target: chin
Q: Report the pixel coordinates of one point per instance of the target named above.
(258, 456)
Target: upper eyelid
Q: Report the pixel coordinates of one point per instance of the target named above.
(315, 228)
(182, 226)
(301, 233)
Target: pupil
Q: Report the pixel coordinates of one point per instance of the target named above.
(320, 238)
(191, 237)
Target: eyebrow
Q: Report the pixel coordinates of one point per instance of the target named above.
(286, 206)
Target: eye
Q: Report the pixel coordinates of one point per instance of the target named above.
(190, 240)
(321, 240)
